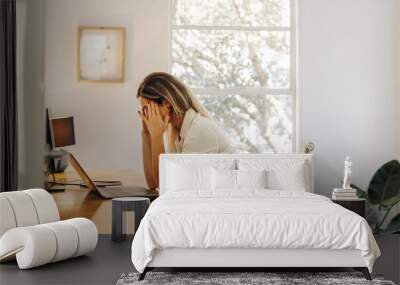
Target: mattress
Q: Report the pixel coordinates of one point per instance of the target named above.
(250, 219)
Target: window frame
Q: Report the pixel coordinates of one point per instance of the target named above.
(253, 91)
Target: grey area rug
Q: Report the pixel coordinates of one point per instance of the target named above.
(228, 278)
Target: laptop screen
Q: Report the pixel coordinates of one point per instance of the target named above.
(78, 168)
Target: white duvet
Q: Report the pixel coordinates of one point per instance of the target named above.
(250, 219)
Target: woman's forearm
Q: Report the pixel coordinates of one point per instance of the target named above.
(157, 148)
(147, 161)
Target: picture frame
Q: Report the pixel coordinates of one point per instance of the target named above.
(101, 54)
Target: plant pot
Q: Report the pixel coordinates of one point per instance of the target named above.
(388, 263)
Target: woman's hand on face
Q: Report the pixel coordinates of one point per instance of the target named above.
(153, 121)
(143, 114)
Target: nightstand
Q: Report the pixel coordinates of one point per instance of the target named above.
(358, 206)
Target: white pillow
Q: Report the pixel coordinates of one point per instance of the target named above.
(182, 177)
(223, 179)
(282, 174)
(287, 178)
(251, 178)
(227, 179)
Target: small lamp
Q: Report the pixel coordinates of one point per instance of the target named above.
(62, 134)
(63, 131)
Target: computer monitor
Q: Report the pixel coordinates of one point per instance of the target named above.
(59, 133)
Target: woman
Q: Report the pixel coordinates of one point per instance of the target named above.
(174, 121)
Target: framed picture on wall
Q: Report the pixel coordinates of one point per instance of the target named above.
(101, 54)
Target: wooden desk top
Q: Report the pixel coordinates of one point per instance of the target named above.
(76, 201)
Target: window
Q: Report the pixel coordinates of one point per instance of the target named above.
(238, 58)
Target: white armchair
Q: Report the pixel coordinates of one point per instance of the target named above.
(31, 230)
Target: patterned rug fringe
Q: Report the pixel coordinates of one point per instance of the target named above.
(244, 278)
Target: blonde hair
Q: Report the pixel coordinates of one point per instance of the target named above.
(160, 86)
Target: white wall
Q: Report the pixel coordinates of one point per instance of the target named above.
(30, 92)
(106, 122)
(347, 81)
(398, 80)
(347, 84)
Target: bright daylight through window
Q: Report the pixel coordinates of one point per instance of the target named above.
(237, 56)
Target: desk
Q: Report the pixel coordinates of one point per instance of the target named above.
(76, 201)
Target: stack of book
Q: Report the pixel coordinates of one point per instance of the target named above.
(344, 194)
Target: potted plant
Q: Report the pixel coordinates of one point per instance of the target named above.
(382, 196)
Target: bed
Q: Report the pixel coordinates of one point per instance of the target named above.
(247, 211)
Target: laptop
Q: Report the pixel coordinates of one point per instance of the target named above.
(109, 191)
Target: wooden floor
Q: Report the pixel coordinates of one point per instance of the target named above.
(76, 201)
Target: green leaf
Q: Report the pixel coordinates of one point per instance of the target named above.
(372, 217)
(394, 225)
(384, 188)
